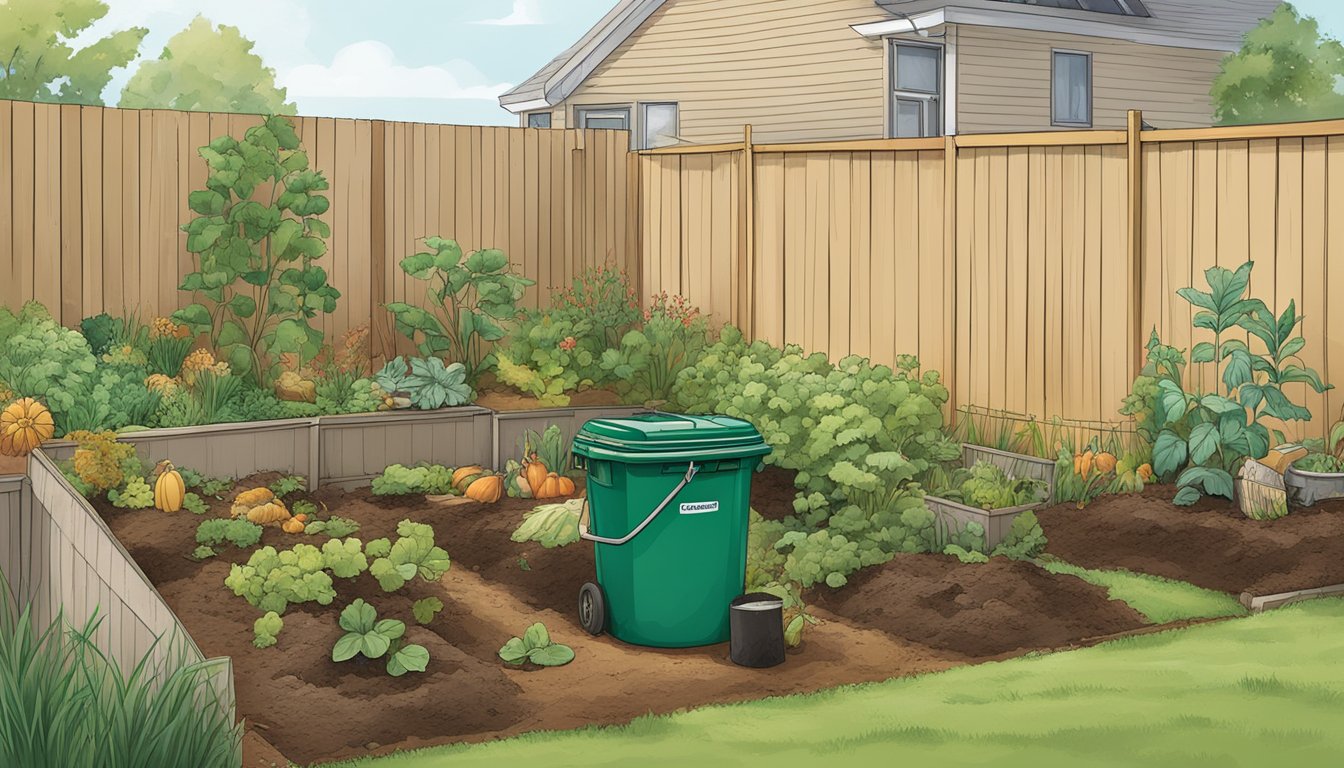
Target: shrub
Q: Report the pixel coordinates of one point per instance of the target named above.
(256, 238)
(987, 486)
(42, 360)
(102, 463)
(649, 359)
(427, 479)
(467, 297)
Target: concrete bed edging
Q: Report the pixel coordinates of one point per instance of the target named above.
(1262, 603)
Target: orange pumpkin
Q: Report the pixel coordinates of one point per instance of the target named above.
(24, 425)
(1104, 462)
(550, 487)
(487, 489)
(535, 473)
(169, 490)
(566, 486)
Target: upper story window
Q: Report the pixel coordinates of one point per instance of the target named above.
(1119, 7)
(916, 90)
(538, 119)
(1071, 89)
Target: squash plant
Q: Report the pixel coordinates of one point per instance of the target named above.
(466, 299)
(256, 237)
(1202, 437)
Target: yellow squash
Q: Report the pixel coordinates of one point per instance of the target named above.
(169, 490)
(24, 425)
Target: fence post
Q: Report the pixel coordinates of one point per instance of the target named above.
(383, 344)
(747, 273)
(951, 276)
(1135, 206)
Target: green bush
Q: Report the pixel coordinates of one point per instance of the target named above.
(427, 479)
(987, 486)
(649, 359)
(41, 359)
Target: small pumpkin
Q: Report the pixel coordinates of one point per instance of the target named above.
(169, 490)
(270, 513)
(465, 476)
(566, 486)
(1082, 464)
(24, 425)
(486, 489)
(293, 525)
(301, 517)
(535, 473)
(1104, 462)
(247, 500)
(550, 488)
(1145, 472)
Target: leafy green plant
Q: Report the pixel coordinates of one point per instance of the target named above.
(214, 487)
(99, 331)
(414, 552)
(41, 359)
(266, 628)
(986, 486)
(649, 359)
(203, 553)
(136, 494)
(551, 447)
(194, 504)
(536, 646)
(1025, 540)
(1320, 462)
(466, 299)
(428, 479)
(334, 526)
(289, 484)
(1202, 438)
(551, 525)
(344, 557)
(256, 238)
(366, 636)
(425, 609)
(168, 347)
(273, 580)
(433, 385)
(239, 532)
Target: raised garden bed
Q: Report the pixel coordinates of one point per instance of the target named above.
(995, 522)
(1211, 544)
(878, 628)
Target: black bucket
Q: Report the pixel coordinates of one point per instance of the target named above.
(756, 625)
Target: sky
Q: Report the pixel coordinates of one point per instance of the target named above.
(441, 61)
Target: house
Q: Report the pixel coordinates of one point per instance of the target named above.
(803, 70)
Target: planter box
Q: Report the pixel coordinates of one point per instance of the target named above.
(1307, 488)
(509, 426)
(226, 450)
(354, 449)
(996, 522)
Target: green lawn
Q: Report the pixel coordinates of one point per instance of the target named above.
(1160, 600)
(1264, 690)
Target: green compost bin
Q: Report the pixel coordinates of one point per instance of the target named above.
(668, 503)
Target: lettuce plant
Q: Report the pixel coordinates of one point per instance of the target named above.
(428, 479)
(537, 647)
(366, 636)
(413, 553)
(266, 628)
(272, 580)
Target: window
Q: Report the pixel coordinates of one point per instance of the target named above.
(658, 125)
(917, 89)
(1118, 7)
(614, 118)
(538, 119)
(1071, 89)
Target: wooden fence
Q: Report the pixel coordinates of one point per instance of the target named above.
(91, 199)
(1028, 268)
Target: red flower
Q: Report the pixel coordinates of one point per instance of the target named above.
(569, 343)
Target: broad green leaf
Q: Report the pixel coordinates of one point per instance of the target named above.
(231, 332)
(290, 335)
(1204, 442)
(536, 636)
(348, 647)
(418, 266)
(1198, 298)
(206, 202)
(1173, 401)
(390, 628)
(514, 651)
(1186, 497)
(1237, 370)
(1298, 374)
(555, 655)
(447, 253)
(374, 645)
(1215, 482)
(408, 658)
(1220, 405)
(358, 617)
(243, 306)
(488, 260)
(1202, 353)
(426, 608)
(194, 316)
(1169, 453)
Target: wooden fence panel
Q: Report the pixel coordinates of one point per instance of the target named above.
(92, 198)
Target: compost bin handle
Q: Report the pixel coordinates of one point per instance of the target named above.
(691, 471)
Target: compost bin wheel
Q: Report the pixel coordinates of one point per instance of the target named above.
(592, 609)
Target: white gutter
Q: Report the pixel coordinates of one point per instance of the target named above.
(527, 106)
(900, 25)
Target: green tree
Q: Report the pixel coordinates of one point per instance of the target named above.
(1285, 71)
(37, 62)
(209, 69)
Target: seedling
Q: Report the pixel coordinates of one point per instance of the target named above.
(536, 646)
(366, 636)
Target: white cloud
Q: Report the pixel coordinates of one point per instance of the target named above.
(524, 13)
(369, 70)
(280, 28)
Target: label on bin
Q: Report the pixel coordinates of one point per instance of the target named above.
(699, 507)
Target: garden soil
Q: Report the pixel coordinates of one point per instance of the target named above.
(312, 709)
(1211, 545)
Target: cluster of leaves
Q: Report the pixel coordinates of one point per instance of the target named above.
(102, 463)
(413, 553)
(288, 484)
(266, 628)
(427, 479)
(550, 447)
(427, 381)
(467, 297)
(214, 487)
(537, 647)
(426, 608)
(135, 494)
(41, 359)
(1203, 437)
(240, 533)
(551, 525)
(335, 526)
(1320, 462)
(649, 359)
(256, 237)
(987, 486)
(367, 636)
(273, 580)
(555, 351)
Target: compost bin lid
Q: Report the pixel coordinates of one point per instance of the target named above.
(669, 432)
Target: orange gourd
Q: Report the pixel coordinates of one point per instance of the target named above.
(1104, 462)
(486, 489)
(292, 525)
(566, 486)
(24, 425)
(550, 488)
(169, 490)
(536, 474)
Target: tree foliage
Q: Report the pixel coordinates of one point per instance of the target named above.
(209, 69)
(37, 61)
(1284, 71)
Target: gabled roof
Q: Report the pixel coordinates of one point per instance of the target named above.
(1205, 24)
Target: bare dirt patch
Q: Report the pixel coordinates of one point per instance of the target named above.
(1211, 545)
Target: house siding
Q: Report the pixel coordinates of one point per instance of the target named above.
(767, 63)
(1004, 80)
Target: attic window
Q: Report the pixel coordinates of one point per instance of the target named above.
(1118, 7)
